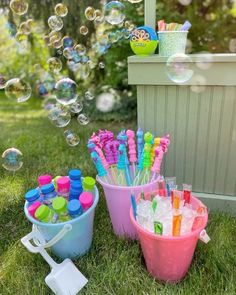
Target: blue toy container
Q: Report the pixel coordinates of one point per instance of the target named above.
(75, 242)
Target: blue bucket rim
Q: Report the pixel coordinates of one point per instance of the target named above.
(72, 221)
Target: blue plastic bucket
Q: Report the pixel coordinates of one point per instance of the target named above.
(78, 240)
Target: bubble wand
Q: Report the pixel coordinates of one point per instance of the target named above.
(111, 152)
(121, 166)
(147, 162)
(156, 168)
(132, 150)
(140, 143)
(102, 173)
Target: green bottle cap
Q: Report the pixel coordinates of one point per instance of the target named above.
(59, 205)
(158, 228)
(42, 212)
(88, 183)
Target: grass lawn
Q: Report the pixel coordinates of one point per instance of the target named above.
(113, 266)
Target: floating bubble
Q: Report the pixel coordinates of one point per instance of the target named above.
(30, 22)
(54, 64)
(105, 102)
(67, 42)
(54, 36)
(89, 95)
(25, 28)
(198, 84)
(3, 82)
(99, 17)
(83, 30)
(232, 45)
(49, 103)
(55, 23)
(129, 26)
(66, 91)
(102, 39)
(76, 107)
(90, 13)
(12, 159)
(101, 65)
(57, 44)
(185, 2)
(83, 119)
(204, 60)
(71, 138)
(59, 116)
(18, 90)
(80, 49)
(113, 37)
(114, 12)
(178, 68)
(19, 7)
(135, 1)
(61, 10)
(20, 37)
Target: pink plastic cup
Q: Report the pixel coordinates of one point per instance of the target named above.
(118, 203)
(169, 258)
(44, 179)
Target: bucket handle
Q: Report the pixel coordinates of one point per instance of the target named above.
(36, 235)
(203, 236)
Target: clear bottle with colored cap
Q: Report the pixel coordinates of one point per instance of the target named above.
(44, 179)
(63, 186)
(74, 208)
(76, 190)
(48, 193)
(86, 200)
(88, 184)
(45, 214)
(75, 175)
(33, 196)
(59, 205)
(32, 208)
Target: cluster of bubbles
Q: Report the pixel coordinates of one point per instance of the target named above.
(12, 159)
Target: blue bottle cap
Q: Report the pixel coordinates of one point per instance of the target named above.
(32, 195)
(75, 193)
(76, 185)
(75, 174)
(74, 207)
(48, 188)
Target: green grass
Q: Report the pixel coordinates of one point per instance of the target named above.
(113, 266)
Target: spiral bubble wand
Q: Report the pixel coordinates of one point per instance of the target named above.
(121, 166)
(156, 168)
(102, 173)
(140, 144)
(132, 150)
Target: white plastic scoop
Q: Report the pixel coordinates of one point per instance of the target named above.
(64, 278)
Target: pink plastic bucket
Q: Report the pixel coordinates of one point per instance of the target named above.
(118, 203)
(169, 258)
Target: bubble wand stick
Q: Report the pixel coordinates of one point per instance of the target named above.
(121, 166)
(132, 150)
(156, 168)
(147, 158)
(102, 173)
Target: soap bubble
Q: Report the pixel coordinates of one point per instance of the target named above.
(19, 7)
(68, 52)
(83, 30)
(3, 82)
(114, 12)
(135, 1)
(83, 119)
(80, 49)
(113, 37)
(99, 17)
(59, 116)
(198, 84)
(12, 159)
(185, 2)
(61, 10)
(67, 42)
(54, 36)
(55, 23)
(232, 45)
(105, 102)
(18, 90)
(204, 60)
(49, 103)
(89, 95)
(101, 65)
(76, 107)
(54, 64)
(66, 91)
(25, 28)
(178, 68)
(57, 44)
(71, 138)
(20, 37)
(90, 13)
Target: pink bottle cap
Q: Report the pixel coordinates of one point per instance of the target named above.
(44, 179)
(32, 208)
(86, 200)
(63, 184)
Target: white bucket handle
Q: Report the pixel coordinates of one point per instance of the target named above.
(36, 235)
(203, 236)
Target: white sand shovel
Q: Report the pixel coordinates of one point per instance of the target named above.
(64, 278)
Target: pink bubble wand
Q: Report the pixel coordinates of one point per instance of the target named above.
(132, 150)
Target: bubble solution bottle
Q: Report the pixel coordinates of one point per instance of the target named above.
(63, 187)
(59, 205)
(44, 179)
(86, 200)
(45, 214)
(32, 208)
(75, 175)
(33, 196)
(74, 208)
(88, 184)
(76, 190)
(48, 193)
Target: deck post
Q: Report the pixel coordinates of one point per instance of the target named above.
(150, 13)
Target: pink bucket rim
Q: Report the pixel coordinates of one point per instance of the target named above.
(124, 188)
(168, 238)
